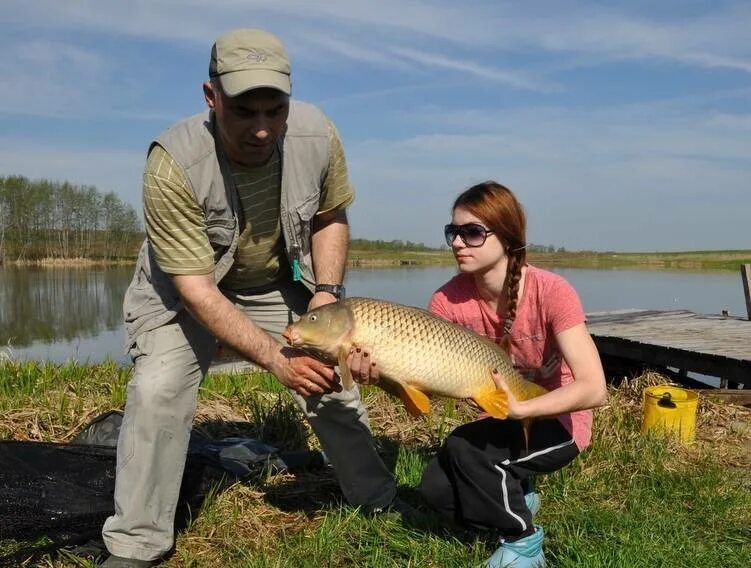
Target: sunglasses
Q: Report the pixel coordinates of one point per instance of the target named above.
(471, 234)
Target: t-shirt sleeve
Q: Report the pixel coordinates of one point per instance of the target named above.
(563, 306)
(440, 306)
(336, 191)
(175, 224)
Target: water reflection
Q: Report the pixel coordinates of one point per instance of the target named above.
(59, 304)
(63, 313)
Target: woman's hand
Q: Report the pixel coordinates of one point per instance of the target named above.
(362, 365)
(516, 408)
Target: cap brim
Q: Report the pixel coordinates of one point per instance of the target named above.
(238, 82)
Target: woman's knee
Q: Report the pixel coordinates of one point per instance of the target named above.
(461, 452)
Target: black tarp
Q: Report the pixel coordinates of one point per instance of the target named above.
(64, 492)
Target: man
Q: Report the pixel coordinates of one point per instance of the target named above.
(245, 209)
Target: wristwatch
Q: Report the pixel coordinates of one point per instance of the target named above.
(336, 290)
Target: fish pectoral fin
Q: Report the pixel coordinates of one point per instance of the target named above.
(494, 402)
(344, 371)
(416, 401)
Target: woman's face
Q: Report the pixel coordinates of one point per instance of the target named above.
(474, 259)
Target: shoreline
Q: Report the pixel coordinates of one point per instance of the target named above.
(691, 260)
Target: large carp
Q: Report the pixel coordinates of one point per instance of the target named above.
(416, 352)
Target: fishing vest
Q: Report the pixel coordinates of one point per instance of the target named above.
(151, 300)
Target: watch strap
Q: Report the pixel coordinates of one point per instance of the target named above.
(336, 290)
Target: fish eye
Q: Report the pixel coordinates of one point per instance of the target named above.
(313, 317)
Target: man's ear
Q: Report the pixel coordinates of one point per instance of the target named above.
(210, 94)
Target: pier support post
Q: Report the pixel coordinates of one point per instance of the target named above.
(746, 277)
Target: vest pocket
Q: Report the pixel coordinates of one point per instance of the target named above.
(308, 208)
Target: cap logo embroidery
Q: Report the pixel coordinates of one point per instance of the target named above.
(257, 56)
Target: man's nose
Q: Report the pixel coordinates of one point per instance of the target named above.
(261, 129)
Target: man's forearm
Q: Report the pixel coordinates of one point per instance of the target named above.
(330, 240)
(228, 324)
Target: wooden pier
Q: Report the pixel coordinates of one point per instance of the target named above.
(714, 345)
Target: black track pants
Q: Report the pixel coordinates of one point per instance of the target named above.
(478, 476)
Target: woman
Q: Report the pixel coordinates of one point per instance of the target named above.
(481, 475)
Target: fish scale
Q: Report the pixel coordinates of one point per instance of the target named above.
(428, 352)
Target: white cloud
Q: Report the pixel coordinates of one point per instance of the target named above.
(718, 36)
(673, 172)
(589, 179)
(45, 77)
(511, 78)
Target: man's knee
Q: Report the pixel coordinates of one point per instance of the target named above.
(165, 393)
(345, 401)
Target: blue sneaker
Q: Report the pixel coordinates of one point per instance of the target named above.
(523, 553)
(532, 499)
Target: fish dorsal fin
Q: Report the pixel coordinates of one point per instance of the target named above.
(493, 401)
(344, 372)
(416, 401)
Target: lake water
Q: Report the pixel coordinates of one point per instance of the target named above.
(64, 314)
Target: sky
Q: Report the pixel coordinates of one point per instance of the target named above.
(621, 126)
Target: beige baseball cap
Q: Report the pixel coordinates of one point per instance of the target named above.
(250, 58)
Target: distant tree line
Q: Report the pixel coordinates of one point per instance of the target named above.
(45, 219)
(399, 245)
(396, 245)
(544, 248)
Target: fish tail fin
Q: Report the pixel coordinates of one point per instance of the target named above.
(493, 401)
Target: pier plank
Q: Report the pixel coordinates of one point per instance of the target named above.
(714, 345)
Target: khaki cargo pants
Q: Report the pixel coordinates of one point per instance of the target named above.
(170, 363)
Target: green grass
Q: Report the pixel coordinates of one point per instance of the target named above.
(630, 501)
(690, 260)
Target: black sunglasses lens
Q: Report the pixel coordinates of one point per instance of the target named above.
(473, 235)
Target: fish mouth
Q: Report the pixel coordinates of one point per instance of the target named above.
(290, 336)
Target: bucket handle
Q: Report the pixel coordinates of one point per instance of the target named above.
(666, 401)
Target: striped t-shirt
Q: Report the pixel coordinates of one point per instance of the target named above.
(176, 227)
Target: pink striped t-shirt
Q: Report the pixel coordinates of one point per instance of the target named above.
(548, 306)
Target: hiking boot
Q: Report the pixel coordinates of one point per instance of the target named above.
(522, 553)
(121, 562)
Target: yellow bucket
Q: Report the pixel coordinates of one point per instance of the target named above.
(670, 410)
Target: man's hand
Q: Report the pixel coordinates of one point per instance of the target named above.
(362, 365)
(321, 299)
(305, 375)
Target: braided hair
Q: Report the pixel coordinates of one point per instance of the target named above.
(500, 210)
